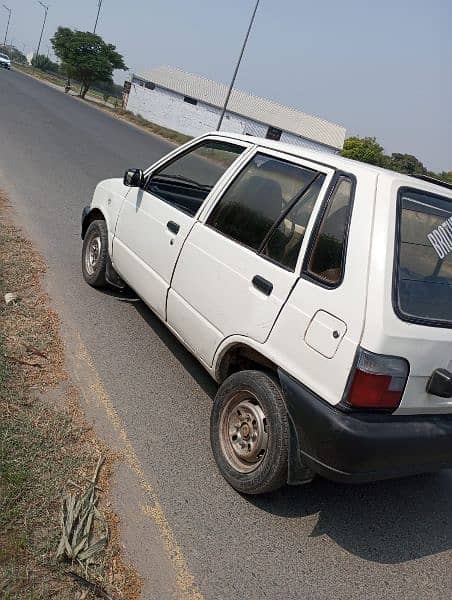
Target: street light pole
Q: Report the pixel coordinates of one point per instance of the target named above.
(46, 8)
(228, 95)
(7, 25)
(99, 6)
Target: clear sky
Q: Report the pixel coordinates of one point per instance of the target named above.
(379, 67)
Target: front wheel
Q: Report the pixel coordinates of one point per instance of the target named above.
(95, 254)
(249, 432)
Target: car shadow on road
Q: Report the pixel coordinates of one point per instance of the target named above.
(187, 360)
(388, 522)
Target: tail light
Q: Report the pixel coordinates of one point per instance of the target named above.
(377, 382)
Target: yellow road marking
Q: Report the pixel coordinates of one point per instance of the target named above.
(184, 579)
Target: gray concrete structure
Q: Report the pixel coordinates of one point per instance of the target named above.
(192, 105)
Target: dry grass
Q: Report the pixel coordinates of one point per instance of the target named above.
(126, 115)
(46, 449)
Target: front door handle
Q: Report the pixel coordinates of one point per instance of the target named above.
(263, 285)
(173, 227)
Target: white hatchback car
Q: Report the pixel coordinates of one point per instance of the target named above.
(5, 61)
(316, 290)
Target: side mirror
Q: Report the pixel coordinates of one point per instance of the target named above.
(133, 178)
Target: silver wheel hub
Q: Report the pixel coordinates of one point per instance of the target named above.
(243, 432)
(92, 255)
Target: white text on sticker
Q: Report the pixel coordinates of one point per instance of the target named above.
(441, 238)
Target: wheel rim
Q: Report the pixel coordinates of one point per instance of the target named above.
(92, 253)
(243, 432)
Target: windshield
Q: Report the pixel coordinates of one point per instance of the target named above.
(4, 56)
(424, 258)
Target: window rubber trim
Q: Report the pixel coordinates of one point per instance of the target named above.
(396, 265)
(307, 275)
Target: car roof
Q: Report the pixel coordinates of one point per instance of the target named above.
(336, 161)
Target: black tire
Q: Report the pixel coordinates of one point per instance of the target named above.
(269, 470)
(94, 264)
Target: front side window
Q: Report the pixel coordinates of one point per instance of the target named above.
(258, 198)
(188, 179)
(423, 275)
(327, 258)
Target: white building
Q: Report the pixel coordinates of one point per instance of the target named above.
(192, 105)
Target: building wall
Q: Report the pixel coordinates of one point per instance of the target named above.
(168, 109)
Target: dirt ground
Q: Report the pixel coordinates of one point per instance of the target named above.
(48, 452)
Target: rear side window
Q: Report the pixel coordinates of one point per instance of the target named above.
(327, 258)
(284, 242)
(261, 194)
(423, 274)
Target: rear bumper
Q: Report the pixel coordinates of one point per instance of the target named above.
(364, 447)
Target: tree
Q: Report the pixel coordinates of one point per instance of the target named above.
(446, 176)
(108, 88)
(406, 163)
(365, 149)
(44, 63)
(368, 150)
(86, 57)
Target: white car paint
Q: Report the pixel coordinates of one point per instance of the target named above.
(199, 282)
(5, 61)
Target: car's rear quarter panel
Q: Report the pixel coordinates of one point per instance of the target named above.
(328, 377)
(426, 348)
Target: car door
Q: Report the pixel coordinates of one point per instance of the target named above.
(155, 220)
(238, 267)
(319, 329)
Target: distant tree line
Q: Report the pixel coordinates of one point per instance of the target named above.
(368, 150)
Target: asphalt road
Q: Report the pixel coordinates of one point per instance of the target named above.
(385, 540)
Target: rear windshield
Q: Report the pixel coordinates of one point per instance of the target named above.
(424, 258)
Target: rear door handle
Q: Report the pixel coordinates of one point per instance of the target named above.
(263, 285)
(173, 227)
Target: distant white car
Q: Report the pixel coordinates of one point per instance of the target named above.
(316, 290)
(5, 61)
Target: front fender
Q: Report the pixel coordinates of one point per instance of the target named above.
(107, 200)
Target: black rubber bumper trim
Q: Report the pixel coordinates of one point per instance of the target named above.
(365, 447)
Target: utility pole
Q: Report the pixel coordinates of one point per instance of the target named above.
(99, 6)
(7, 25)
(46, 8)
(228, 95)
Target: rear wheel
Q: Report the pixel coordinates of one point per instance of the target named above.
(95, 254)
(249, 432)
